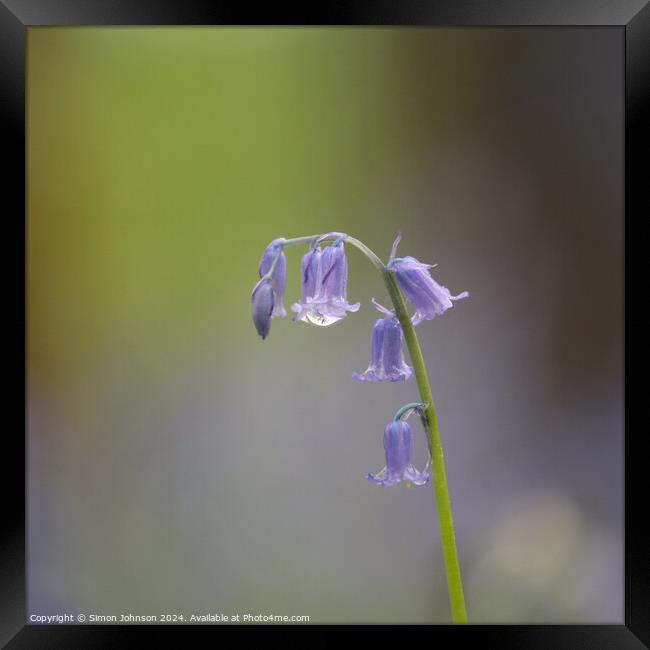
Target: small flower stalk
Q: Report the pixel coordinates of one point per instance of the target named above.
(324, 302)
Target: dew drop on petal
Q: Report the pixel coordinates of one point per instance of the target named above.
(320, 320)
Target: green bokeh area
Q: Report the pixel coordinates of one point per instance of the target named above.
(179, 464)
(162, 159)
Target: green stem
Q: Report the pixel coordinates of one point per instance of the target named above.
(454, 582)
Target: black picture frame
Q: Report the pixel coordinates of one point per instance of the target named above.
(16, 16)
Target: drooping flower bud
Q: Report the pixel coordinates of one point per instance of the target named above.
(262, 306)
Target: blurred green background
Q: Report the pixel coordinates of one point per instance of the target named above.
(178, 464)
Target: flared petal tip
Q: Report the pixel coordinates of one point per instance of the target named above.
(382, 309)
(411, 476)
(381, 479)
(417, 478)
(393, 250)
(299, 309)
(402, 375)
(371, 375)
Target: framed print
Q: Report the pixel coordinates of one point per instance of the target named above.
(325, 320)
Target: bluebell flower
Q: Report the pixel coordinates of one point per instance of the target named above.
(324, 286)
(311, 275)
(262, 301)
(398, 445)
(387, 354)
(428, 297)
(278, 277)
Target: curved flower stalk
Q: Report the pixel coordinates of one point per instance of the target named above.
(324, 302)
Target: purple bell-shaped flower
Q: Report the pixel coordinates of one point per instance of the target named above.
(387, 353)
(398, 445)
(428, 297)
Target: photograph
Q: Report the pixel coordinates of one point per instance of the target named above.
(324, 325)
(324, 322)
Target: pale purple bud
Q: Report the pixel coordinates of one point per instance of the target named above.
(262, 306)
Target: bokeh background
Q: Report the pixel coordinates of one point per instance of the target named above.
(177, 463)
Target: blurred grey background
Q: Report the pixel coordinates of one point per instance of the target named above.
(178, 464)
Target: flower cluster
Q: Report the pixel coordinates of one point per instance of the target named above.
(323, 302)
(324, 285)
